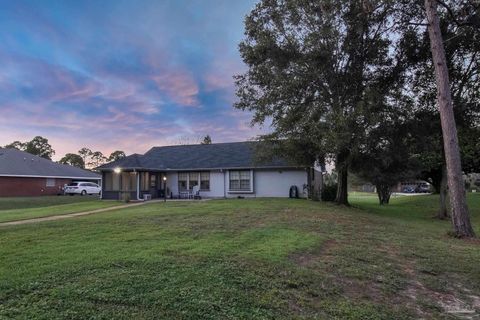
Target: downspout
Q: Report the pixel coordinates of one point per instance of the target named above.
(224, 184)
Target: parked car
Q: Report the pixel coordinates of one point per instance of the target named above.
(82, 188)
(408, 189)
(423, 188)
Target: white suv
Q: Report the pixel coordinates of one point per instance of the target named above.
(82, 188)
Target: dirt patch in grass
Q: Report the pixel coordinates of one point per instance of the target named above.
(447, 301)
(321, 253)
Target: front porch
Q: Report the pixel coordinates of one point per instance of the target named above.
(131, 184)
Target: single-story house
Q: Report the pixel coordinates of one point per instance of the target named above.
(221, 170)
(24, 174)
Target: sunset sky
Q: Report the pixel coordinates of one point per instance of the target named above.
(120, 74)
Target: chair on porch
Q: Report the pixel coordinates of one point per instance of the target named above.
(196, 193)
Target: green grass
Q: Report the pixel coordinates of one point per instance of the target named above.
(241, 259)
(21, 208)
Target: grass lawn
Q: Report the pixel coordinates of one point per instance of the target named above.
(250, 259)
(20, 208)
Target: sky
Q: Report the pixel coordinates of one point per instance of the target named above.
(121, 75)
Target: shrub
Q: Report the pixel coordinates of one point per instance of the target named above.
(329, 192)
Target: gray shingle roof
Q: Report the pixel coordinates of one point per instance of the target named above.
(198, 156)
(14, 162)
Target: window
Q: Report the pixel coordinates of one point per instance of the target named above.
(182, 181)
(205, 180)
(192, 179)
(240, 180)
(188, 180)
(153, 181)
(50, 182)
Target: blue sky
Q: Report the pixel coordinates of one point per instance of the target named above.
(121, 74)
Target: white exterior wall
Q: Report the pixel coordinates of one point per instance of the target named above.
(277, 183)
(216, 185)
(172, 182)
(266, 183)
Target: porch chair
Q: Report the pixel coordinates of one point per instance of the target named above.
(196, 193)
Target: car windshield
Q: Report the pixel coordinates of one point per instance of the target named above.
(73, 184)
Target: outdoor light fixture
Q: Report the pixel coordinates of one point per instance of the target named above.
(117, 170)
(165, 188)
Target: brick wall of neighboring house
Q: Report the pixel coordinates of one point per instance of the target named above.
(30, 187)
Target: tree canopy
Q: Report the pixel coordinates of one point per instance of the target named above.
(38, 146)
(116, 155)
(206, 140)
(73, 159)
(320, 70)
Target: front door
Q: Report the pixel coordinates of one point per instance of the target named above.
(153, 185)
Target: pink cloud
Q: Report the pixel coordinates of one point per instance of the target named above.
(221, 72)
(179, 86)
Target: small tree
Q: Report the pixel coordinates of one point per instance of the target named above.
(385, 159)
(96, 159)
(73, 159)
(207, 140)
(39, 146)
(85, 153)
(116, 155)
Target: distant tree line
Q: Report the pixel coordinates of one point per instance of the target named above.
(84, 158)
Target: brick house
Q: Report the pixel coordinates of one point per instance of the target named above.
(23, 174)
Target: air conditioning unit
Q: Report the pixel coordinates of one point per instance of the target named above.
(147, 197)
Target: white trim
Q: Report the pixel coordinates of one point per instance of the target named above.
(53, 177)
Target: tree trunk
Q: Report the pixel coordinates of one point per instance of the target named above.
(435, 178)
(443, 211)
(315, 182)
(384, 192)
(342, 183)
(458, 202)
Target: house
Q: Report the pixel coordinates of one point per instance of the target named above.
(24, 174)
(221, 170)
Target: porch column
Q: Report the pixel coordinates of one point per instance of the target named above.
(138, 185)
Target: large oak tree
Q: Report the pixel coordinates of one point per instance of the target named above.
(318, 63)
